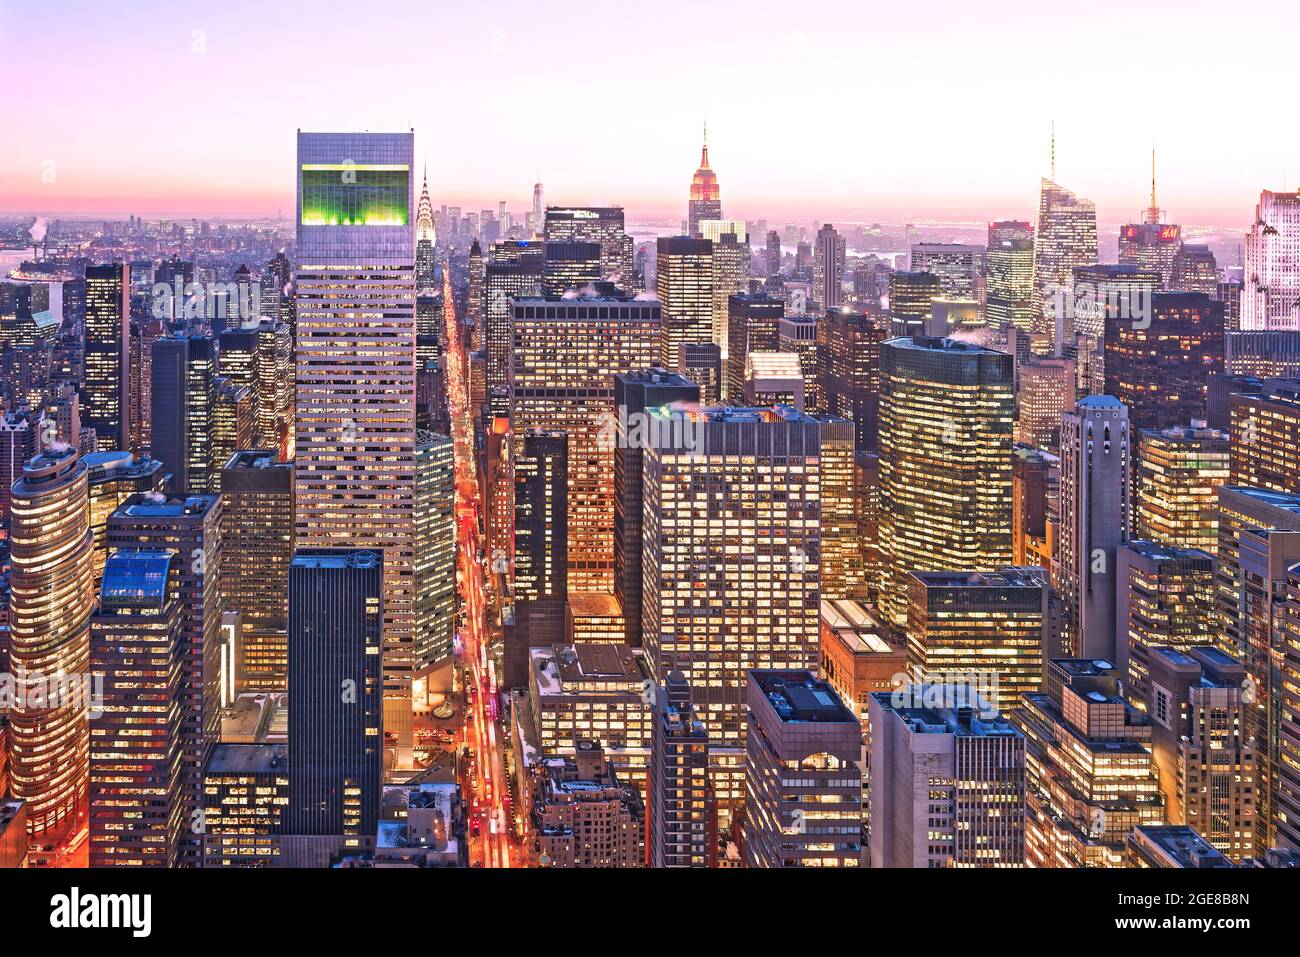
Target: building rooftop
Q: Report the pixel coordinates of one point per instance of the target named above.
(945, 709)
(256, 459)
(799, 696)
(157, 505)
(855, 627)
(336, 558)
(1011, 577)
(1181, 844)
(248, 759)
(593, 604)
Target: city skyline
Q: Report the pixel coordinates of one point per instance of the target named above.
(228, 159)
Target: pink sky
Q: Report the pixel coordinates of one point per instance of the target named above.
(817, 109)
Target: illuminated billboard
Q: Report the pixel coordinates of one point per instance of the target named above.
(355, 194)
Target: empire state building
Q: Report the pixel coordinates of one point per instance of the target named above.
(706, 202)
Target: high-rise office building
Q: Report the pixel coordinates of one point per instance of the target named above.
(960, 267)
(706, 200)
(843, 573)
(354, 436)
(234, 420)
(584, 815)
(143, 335)
(191, 526)
(1090, 776)
(1095, 513)
(752, 326)
(1165, 598)
(567, 352)
(1160, 367)
(136, 767)
(257, 543)
(51, 598)
(1066, 237)
(112, 478)
(595, 224)
(1195, 270)
(1202, 746)
(570, 265)
(336, 722)
(435, 562)
(634, 393)
(1264, 437)
(1009, 275)
(261, 357)
(1047, 389)
(803, 773)
(183, 414)
(798, 335)
(20, 440)
(911, 300)
(680, 803)
(701, 363)
(730, 276)
(732, 554)
(1271, 281)
(1179, 471)
(426, 240)
(828, 267)
(106, 398)
(1152, 244)
(947, 781)
(1284, 728)
(945, 462)
(991, 626)
(245, 798)
(541, 517)
(1264, 354)
(684, 283)
(848, 370)
(514, 268)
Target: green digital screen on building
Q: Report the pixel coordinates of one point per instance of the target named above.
(353, 194)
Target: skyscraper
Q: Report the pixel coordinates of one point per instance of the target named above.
(107, 394)
(541, 517)
(1202, 746)
(1179, 471)
(680, 800)
(960, 267)
(803, 774)
(945, 462)
(994, 627)
(848, 370)
(1066, 238)
(190, 526)
(947, 782)
(50, 603)
(257, 543)
(752, 326)
(1160, 367)
(513, 269)
(1091, 777)
(595, 224)
(435, 561)
(354, 468)
(828, 267)
(634, 393)
(705, 201)
(731, 555)
(1094, 510)
(911, 296)
(1165, 598)
(1271, 284)
(184, 411)
(730, 275)
(684, 281)
(335, 724)
(136, 767)
(570, 265)
(1152, 244)
(425, 241)
(567, 352)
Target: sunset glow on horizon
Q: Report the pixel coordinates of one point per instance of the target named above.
(827, 110)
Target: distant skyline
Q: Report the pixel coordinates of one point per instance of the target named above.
(819, 110)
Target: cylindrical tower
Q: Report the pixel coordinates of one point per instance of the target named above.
(50, 606)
